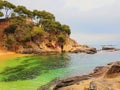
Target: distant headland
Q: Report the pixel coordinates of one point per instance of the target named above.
(26, 31)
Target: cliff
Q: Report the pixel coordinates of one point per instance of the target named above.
(35, 40)
(3, 24)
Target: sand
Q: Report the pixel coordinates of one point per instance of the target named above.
(102, 84)
(6, 55)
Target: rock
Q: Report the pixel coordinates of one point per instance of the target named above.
(110, 48)
(111, 70)
(108, 71)
(70, 81)
(91, 51)
(80, 49)
(48, 85)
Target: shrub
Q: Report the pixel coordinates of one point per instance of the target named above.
(37, 31)
(61, 38)
(10, 40)
(10, 30)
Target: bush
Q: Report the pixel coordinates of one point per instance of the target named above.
(66, 29)
(61, 38)
(52, 38)
(10, 30)
(10, 40)
(37, 31)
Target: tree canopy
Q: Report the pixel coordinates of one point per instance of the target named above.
(23, 11)
(31, 26)
(43, 24)
(7, 7)
(1, 14)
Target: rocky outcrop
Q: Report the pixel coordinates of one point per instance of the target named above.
(114, 70)
(83, 49)
(70, 81)
(108, 71)
(110, 48)
(100, 79)
(53, 47)
(74, 47)
(39, 43)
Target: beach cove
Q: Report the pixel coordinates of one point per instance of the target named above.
(41, 69)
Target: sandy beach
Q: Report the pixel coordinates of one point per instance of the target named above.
(6, 55)
(3, 52)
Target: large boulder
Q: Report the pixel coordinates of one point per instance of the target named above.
(111, 70)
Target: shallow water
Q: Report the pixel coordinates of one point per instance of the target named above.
(31, 72)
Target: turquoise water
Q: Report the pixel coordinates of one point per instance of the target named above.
(31, 72)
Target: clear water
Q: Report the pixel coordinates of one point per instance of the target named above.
(31, 72)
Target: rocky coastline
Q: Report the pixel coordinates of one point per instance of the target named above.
(47, 47)
(99, 79)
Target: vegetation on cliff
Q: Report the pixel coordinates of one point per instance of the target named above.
(27, 26)
(33, 31)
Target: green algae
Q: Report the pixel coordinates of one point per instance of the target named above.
(31, 72)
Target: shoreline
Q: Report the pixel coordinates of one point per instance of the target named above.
(6, 55)
(101, 78)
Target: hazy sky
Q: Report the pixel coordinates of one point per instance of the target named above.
(91, 21)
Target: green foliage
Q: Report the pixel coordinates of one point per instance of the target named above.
(42, 15)
(23, 11)
(1, 5)
(1, 14)
(10, 40)
(23, 33)
(52, 38)
(55, 25)
(50, 24)
(6, 6)
(22, 30)
(13, 15)
(38, 31)
(10, 30)
(61, 38)
(46, 15)
(36, 15)
(18, 21)
(66, 29)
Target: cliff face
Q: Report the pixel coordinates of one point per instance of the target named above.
(3, 24)
(46, 43)
(53, 46)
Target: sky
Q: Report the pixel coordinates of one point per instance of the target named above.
(91, 21)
